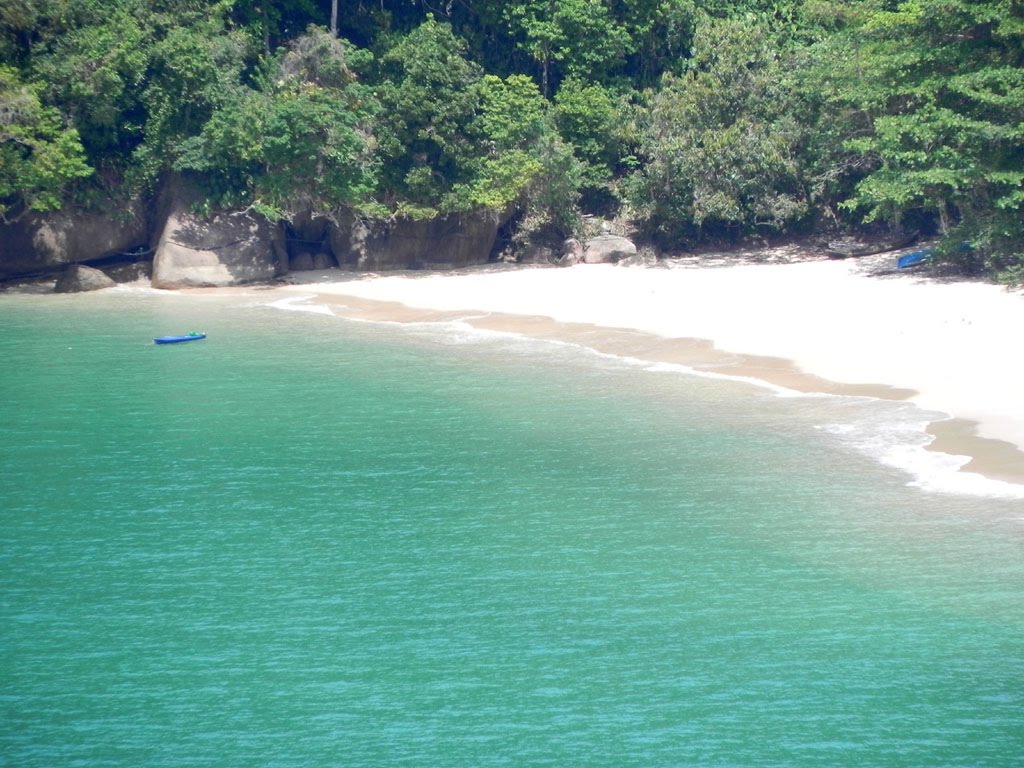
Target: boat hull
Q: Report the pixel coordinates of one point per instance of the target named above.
(912, 259)
(179, 339)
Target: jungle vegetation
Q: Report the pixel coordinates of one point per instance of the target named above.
(694, 118)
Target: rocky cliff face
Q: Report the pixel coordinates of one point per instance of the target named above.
(455, 240)
(225, 249)
(233, 248)
(44, 243)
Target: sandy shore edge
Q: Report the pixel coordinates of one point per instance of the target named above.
(808, 327)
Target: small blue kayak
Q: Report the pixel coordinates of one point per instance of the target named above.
(912, 259)
(191, 336)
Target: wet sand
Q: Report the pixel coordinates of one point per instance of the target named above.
(808, 327)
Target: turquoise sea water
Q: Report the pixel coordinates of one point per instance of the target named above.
(312, 542)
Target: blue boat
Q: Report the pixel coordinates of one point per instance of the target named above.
(916, 257)
(190, 336)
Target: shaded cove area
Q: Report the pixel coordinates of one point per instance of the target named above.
(309, 541)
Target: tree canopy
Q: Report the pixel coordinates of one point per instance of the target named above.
(696, 119)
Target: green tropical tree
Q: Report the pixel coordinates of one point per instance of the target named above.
(195, 67)
(95, 70)
(580, 37)
(427, 134)
(527, 164)
(722, 142)
(937, 87)
(299, 142)
(40, 155)
(590, 118)
(661, 37)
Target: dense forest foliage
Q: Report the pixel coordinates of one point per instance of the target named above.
(694, 118)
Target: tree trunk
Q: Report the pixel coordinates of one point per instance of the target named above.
(334, 18)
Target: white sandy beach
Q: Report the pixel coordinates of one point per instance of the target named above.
(954, 344)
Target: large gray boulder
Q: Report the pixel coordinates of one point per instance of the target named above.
(77, 278)
(572, 253)
(227, 248)
(608, 249)
(455, 240)
(43, 242)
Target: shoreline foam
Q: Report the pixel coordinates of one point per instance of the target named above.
(808, 327)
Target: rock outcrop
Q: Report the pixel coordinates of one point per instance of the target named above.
(43, 242)
(224, 249)
(572, 253)
(608, 249)
(77, 278)
(232, 248)
(455, 240)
